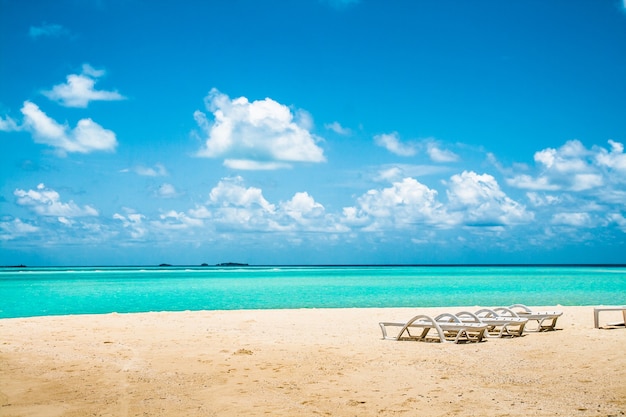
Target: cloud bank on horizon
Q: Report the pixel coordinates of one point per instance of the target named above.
(295, 173)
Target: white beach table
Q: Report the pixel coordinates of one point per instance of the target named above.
(597, 310)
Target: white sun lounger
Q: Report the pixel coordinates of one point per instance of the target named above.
(448, 327)
(597, 310)
(546, 319)
(499, 323)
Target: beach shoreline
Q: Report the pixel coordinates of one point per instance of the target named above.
(302, 362)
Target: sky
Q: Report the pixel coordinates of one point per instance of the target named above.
(140, 132)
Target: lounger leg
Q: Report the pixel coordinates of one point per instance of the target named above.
(421, 336)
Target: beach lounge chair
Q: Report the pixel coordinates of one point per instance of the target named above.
(499, 323)
(598, 309)
(448, 328)
(546, 319)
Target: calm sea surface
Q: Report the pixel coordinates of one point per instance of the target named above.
(26, 292)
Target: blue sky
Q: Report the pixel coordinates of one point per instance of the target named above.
(312, 131)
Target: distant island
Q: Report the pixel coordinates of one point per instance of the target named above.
(205, 264)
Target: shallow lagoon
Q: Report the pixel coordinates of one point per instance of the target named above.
(26, 292)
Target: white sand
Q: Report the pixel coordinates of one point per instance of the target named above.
(310, 362)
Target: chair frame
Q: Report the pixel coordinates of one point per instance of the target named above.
(448, 327)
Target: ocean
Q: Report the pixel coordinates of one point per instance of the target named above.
(26, 292)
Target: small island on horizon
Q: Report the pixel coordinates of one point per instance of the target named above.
(206, 264)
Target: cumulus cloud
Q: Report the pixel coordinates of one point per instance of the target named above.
(302, 206)
(233, 206)
(481, 201)
(532, 183)
(79, 89)
(132, 221)
(174, 220)
(539, 200)
(395, 172)
(262, 134)
(230, 192)
(474, 200)
(614, 159)
(167, 190)
(572, 167)
(86, 137)
(47, 30)
(405, 203)
(236, 207)
(16, 228)
(47, 202)
(391, 142)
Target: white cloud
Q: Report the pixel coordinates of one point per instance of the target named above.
(391, 142)
(233, 206)
(543, 200)
(201, 212)
(173, 220)
(132, 221)
(15, 229)
(481, 201)
(248, 165)
(230, 192)
(8, 125)
(581, 182)
(529, 183)
(47, 202)
(618, 219)
(440, 155)
(79, 90)
(86, 137)
(614, 159)
(47, 30)
(65, 221)
(303, 213)
(263, 133)
(158, 170)
(167, 190)
(568, 158)
(396, 172)
(575, 168)
(473, 199)
(390, 174)
(571, 219)
(403, 204)
(337, 128)
(302, 206)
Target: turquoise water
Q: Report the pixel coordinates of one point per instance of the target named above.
(26, 292)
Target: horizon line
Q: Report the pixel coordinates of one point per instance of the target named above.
(245, 265)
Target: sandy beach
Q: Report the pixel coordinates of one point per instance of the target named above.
(308, 362)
